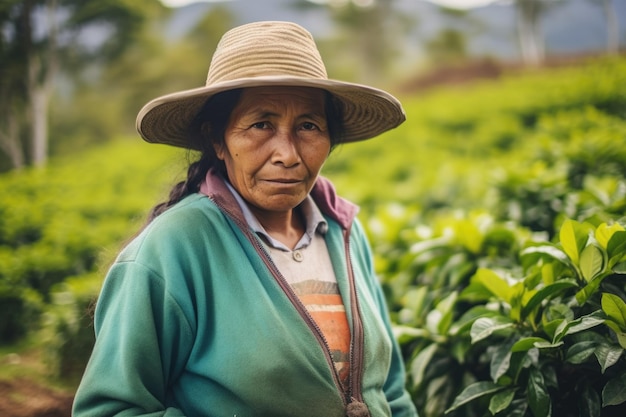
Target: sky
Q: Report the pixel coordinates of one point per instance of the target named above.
(459, 4)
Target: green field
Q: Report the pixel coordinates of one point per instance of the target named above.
(495, 212)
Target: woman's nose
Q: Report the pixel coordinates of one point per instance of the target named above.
(285, 149)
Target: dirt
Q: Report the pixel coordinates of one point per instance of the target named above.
(24, 398)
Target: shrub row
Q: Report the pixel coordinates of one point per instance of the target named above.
(495, 218)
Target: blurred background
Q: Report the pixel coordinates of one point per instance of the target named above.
(76, 73)
(516, 119)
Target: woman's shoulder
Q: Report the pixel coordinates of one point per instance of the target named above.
(186, 225)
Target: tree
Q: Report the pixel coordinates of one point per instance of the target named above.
(612, 25)
(529, 31)
(12, 83)
(370, 34)
(39, 39)
(530, 35)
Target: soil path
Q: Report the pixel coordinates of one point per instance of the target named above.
(24, 398)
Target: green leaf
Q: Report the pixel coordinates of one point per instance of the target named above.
(486, 326)
(614, 307)
(620, 268)
(613, 392)
(583, 295)
(501, 400)
(419, 364)
(495, 284)
(578, 325)
(621, 336)
(546, 292)
(580, 352)
(547, 274)
(446, 307)
(538, 398)
(405, 334)
(573, 237)
(616, 248)
(518, 408)
(551, 251)
(591, 262)
(500, 360)
(527, 343)
(589, 402)
(464, 323)
(604, 233)
(608, 355)
(474, 391)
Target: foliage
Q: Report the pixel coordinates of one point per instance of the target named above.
(40, 38)
(509, 292)
(495, 216)
(67, 220)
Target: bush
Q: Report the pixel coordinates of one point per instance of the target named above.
(68, 332)
(472, 208)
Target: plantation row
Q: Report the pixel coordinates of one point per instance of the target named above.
(495, 214)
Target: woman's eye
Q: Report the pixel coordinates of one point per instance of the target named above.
(309, 126)
(260, 125)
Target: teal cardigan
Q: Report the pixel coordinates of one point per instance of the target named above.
(195, 320)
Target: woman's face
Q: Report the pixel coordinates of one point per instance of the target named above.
(275, 144)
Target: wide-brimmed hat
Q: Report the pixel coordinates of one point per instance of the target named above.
(268, 54)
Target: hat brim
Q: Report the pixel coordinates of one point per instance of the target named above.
(367, 111)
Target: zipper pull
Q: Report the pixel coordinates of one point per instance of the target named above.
(357, 409)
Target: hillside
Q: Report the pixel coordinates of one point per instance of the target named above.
(576, 26)
(451, 199)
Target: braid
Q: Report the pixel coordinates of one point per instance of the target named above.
(206, 130)
(195, 175)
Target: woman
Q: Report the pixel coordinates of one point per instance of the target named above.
(251, 292)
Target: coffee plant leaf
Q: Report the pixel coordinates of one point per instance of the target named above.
(615, 308)
(501, 400)
(538, 397)
(580, 352)
(608, 355)
(613, 392)
(497, 285)
(616, 247)
(420, 363)
(592, 261)
(486, 326)
(621, 336)
(500, 360)
(573, 237)
(589, 402)
(474, 391)
(527, 343)
(548, 251)
(552, 290)
(578, 325)
(604, 233)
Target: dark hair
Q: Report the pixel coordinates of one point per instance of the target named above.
(208, 129)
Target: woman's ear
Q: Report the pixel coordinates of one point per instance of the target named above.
(218, 146)
(219, 150)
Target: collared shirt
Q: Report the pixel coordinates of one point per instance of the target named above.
(315, 222)
(309, 271)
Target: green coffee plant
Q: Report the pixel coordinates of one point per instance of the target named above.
(544, 339)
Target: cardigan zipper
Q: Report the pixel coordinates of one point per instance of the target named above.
(317, 332)
(357, 342)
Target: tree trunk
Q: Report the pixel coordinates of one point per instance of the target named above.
(612, 27)
(529, 32)
(39, 107)
(41, 76)
(10, 141)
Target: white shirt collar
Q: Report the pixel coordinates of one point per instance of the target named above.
(313, 217)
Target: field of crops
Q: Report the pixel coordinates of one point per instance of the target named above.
(496, 214)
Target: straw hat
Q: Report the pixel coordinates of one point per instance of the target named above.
(267, 54)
